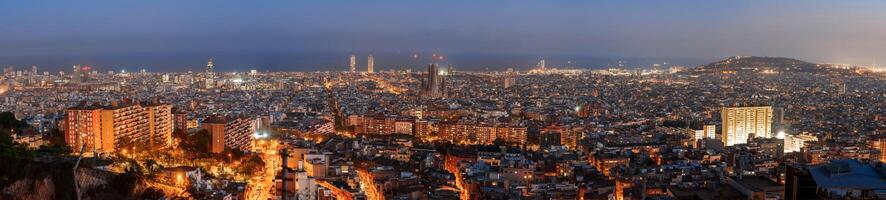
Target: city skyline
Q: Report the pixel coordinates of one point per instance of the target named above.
(456, 99)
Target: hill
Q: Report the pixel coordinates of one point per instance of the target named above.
(762, 64)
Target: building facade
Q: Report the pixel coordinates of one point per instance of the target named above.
(352, 64)
(740, 123)
(370, 64)
(793, 143)
(231, 132)
(106, 128)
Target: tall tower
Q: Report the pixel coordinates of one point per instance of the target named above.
(740, 122)
(541, 64)
(353, 63)
(75, 77)
(209, 66)
(434, 82)
(370, 64)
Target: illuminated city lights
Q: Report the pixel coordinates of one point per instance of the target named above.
(518, 100)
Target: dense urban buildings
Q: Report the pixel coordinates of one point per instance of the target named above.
(546, 133)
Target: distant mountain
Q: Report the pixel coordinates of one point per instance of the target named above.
(762, 64)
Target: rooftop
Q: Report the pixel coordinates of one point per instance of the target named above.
(847, 174)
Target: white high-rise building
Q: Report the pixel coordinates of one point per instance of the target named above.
(353, 63)
(739, 123)
(370, 64)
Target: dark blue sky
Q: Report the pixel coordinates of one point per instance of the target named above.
(170, 35)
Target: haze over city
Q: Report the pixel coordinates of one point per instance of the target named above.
(306, 36)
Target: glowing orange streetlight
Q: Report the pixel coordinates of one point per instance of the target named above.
(179, 179)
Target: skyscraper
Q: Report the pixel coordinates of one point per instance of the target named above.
(353, 63)
(740, 122)
(370, 64)
(209, 66)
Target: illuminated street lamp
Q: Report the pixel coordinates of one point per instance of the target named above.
(179, 179)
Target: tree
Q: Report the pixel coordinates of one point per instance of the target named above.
(232, 154)
(16, 162)
(179, 135)
(16, 159)
(125, 183)
(8, 121)
(198, 142)
(252, 165)
(56, 138)
(152, 166)
(152, 193)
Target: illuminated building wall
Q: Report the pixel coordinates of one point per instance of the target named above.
(424, 129)
(512, 134)
(707, 132)
(569, 138)
(84, 127)
(698, 134)
(377, 125)
(160, 124)
(180, 121)
(486, 134)
(316, 165)
(370, 64)
(233, 132)
(879, 143)
(403, 127)
(454, 132)
(710, 131)
(126, 124)
(793, 143)
(740, 122)
(353, 63)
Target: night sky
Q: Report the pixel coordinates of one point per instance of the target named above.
(319, 35)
